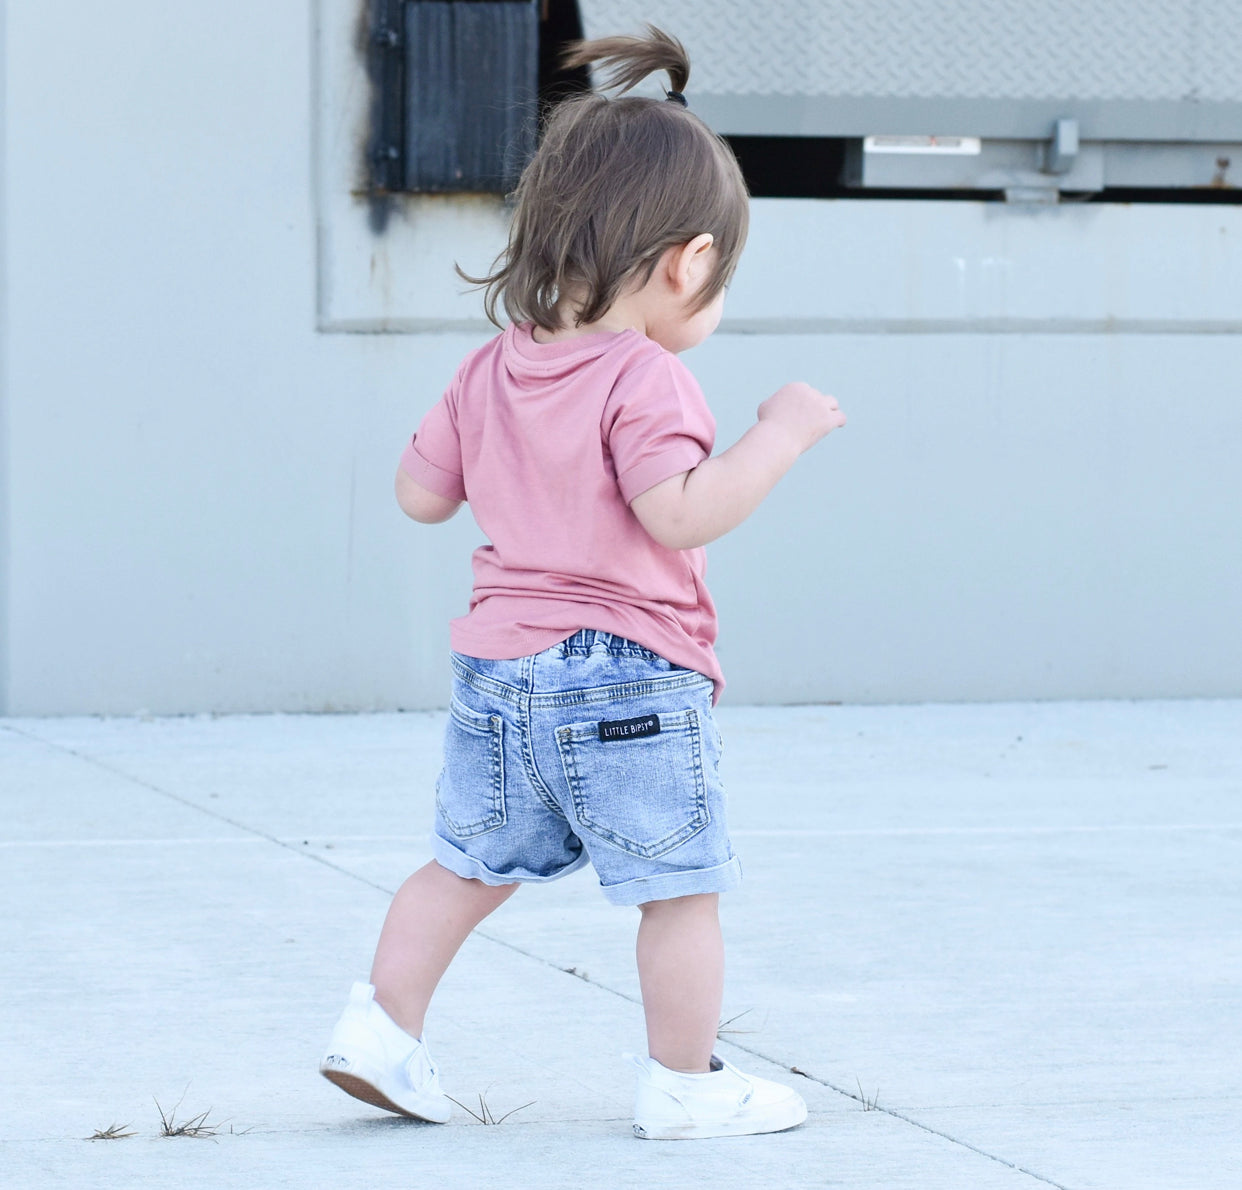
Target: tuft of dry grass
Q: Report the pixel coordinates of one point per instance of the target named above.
(112, 1132)
(723, 1027)
(868, 1104)
(484, 1114)
(196, 1126)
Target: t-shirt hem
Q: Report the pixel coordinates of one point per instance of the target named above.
(435, 479)
(649, 472)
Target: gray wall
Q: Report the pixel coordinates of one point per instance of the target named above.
(4, 357)
(1037, 495)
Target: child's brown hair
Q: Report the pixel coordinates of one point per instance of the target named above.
(615, 183)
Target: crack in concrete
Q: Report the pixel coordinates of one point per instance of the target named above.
(754, 1053)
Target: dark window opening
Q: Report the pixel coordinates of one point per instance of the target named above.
(560, 22)
(1191, 195)
(814, 167)
(791, 166)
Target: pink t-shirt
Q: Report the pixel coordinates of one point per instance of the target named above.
(549, 443)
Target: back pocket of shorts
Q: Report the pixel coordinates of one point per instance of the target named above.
(643, 794)
(471, 793)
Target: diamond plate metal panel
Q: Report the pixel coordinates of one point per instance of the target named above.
(1095, 53)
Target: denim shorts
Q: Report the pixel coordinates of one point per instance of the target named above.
(597, 750)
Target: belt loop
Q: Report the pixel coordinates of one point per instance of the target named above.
(528, 676)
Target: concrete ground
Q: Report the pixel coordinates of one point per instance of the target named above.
(1001, 945)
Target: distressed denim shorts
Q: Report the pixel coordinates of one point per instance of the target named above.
(597, 750)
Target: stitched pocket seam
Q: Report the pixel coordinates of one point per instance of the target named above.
(576, 743)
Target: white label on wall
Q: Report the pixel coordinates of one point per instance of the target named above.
(953, 146)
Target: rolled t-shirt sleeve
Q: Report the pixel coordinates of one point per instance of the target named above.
(660, 425)
(432, 458)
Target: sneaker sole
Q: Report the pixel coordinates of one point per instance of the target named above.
(778, 1121)
(360, 1088)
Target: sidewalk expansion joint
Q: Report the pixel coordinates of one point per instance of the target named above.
(896, 1115)
(755, 1053)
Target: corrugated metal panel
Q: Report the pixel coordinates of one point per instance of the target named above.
(1130, 69)
(471, 87)
(455, 93)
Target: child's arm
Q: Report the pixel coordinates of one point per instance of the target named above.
(420, 504)
(698, 506)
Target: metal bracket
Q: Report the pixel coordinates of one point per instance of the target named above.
(1032, 196)
(1061, 152)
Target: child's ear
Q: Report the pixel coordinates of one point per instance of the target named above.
(687, 262)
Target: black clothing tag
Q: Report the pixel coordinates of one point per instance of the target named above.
(611, 730)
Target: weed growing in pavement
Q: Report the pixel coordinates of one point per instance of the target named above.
(196, 1126)
(723, 1027)
(484, 1114)
(868, 1104)
(112, 1132)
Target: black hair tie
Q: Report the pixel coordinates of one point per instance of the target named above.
(677, 97)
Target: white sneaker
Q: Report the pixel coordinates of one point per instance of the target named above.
(373, 1059)
(725, 1102)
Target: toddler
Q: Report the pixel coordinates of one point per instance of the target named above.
(580, 728)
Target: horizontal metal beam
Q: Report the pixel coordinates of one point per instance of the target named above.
(1004, 119)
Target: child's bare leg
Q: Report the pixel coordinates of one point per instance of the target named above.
(428, 920)
(681, 971)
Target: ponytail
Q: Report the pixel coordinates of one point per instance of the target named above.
(629, 60)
